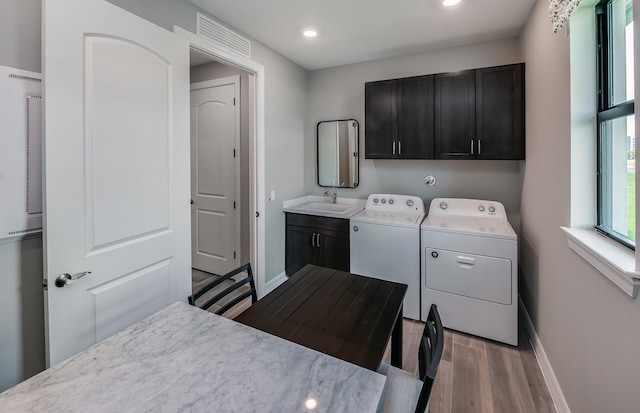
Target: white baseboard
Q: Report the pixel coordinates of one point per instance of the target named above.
(274, 283)
(543, 361)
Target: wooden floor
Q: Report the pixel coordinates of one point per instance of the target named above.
(475, 375)
(478, 375)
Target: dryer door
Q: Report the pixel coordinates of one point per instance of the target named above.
(469, 275)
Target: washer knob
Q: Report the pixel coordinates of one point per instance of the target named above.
(481, 208)
(443, 205)
(492, 209)
(375, 200)
(410, 202)
(383, 201)
(391, 201)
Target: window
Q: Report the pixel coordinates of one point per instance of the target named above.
(616, 125)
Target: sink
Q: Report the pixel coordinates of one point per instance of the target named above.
(325, 206)
(321, 206)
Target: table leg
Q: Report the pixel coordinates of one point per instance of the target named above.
(396, 342)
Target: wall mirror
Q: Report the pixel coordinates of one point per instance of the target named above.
(337, 153)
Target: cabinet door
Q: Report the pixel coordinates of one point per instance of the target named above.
(455, 115)
(415, 118)
(299, 248)
(500, 112)
(380, 108)
(334, 250)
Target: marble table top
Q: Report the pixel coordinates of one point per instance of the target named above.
(186, 359)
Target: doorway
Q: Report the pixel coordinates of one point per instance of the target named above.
(256, 150)
(220, 141)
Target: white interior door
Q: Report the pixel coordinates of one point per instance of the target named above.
(215, 175)
(116, 171)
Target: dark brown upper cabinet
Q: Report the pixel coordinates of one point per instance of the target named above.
(455, 115)
(399, 118)
(500, 112)
(480, 113)
(472, 114)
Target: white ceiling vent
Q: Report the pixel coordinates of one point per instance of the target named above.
(223, 36)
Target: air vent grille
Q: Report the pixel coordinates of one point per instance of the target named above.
(222, 35)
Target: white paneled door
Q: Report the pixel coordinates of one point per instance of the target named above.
(116, 96)
(215, 169)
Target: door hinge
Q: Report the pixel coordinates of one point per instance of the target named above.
(45, 284)
(234, 204)
(234, 152)
(234, 255)
(234, 101)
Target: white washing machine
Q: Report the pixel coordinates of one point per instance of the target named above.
(470, 267)
(385, 244)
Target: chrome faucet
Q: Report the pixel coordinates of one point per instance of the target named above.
(333, 194)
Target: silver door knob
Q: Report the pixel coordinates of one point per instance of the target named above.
(66, 279)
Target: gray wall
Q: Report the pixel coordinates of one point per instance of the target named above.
(338, 93)
(217, 70)
(21, 299)
(587, 325)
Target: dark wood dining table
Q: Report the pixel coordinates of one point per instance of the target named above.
(344, 315)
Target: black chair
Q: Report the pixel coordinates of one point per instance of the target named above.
(239, 297)
(403, 391)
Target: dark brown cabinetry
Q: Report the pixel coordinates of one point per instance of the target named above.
(472, 114)
(480, 113)
(500, 112)
(399, 118)
(316, 240)
(455, 111)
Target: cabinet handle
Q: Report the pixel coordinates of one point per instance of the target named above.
(479, 146)
(399, 148)
(471, 146)
(313, 240)
(393, 151)
(318, 241)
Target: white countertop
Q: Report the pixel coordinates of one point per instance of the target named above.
(186, 359)
(295, 206)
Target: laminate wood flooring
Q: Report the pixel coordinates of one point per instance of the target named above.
(478, 375)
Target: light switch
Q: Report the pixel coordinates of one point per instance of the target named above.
(273, 195)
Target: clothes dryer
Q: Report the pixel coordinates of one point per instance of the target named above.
(470, 267)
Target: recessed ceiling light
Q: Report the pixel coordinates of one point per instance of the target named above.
(450, 3)
(310, 33)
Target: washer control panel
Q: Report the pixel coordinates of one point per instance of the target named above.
(395, 203)
(467, 207)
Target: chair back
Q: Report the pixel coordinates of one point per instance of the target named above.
(429, 355)
(246, 268)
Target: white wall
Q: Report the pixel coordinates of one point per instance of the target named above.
(338, 93)
(587, 325)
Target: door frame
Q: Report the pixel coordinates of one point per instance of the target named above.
(235, 81)
(256, 143)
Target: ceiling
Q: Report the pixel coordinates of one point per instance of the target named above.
(351, 31)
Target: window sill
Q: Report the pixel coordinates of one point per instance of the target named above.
(614, 261)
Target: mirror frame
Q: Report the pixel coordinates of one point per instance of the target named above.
(355, 155)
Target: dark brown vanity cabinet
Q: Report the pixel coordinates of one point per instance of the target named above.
(316, 240)
(479, 114)
(471, 114)
(399, 118)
